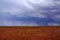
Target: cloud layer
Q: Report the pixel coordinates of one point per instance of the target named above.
(29, 12)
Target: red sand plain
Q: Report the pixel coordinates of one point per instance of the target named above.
(29, 33)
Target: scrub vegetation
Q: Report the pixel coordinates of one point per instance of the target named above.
(29, 33)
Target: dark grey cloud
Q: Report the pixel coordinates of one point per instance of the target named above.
(29, 12)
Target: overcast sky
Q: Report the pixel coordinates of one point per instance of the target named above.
(29, 12)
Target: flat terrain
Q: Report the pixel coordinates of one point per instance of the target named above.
(29, 33)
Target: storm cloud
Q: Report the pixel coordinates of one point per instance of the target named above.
(29, 12)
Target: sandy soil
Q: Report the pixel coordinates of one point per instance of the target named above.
(29, 33)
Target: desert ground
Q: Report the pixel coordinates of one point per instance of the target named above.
(29, 33)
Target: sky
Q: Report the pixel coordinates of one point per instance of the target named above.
(29, 12)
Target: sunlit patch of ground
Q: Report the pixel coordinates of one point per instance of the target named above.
(29, 33)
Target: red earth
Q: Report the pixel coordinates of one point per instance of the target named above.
(29, 33)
